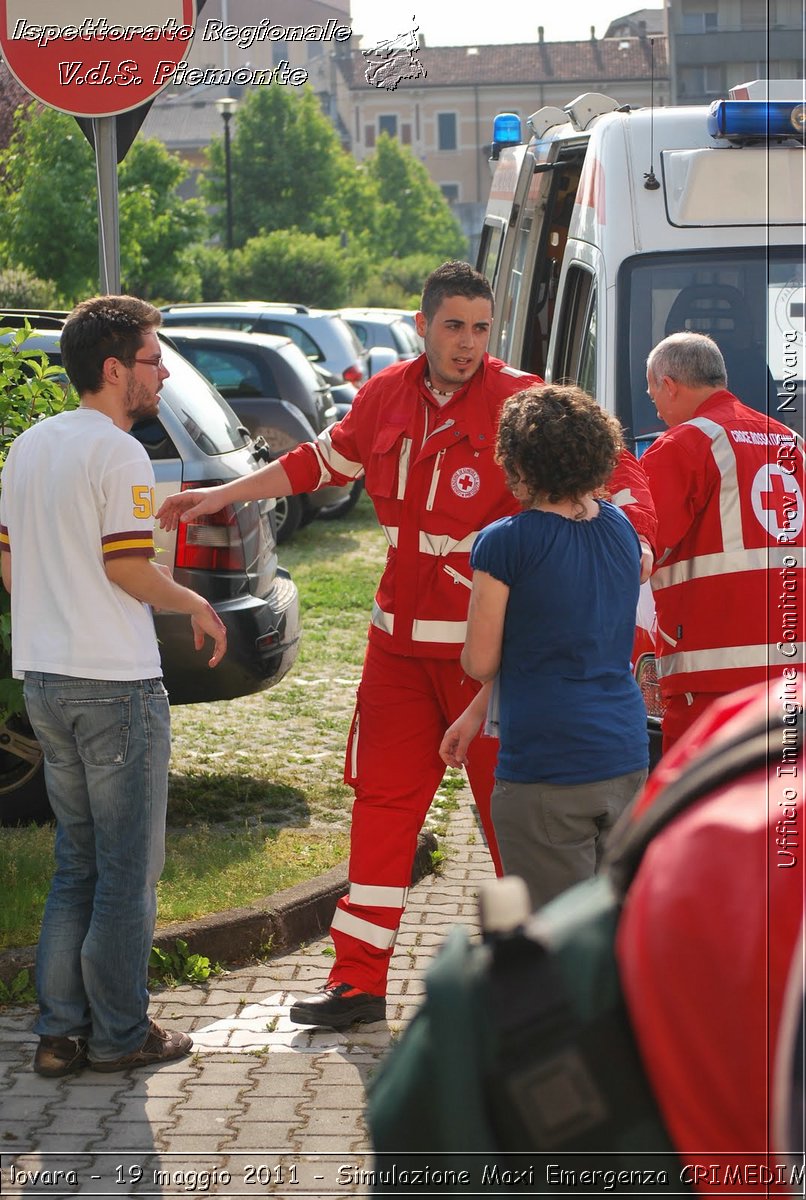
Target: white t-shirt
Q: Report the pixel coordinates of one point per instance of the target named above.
(77, 491)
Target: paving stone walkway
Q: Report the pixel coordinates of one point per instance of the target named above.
(263, 1107)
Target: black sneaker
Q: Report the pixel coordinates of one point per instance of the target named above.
(337, 1006)
(56, 1056)
(161, 1045)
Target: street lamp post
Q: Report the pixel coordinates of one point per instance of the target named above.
(226, 106)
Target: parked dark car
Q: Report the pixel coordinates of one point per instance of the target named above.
(278, 395)
(230, 558)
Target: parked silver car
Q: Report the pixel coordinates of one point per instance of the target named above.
(230, 558)
(376, 327)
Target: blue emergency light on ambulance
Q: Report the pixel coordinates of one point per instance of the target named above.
(507, 130)
(742, 120)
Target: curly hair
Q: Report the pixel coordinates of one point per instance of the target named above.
(557, 442)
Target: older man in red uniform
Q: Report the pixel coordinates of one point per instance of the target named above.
(727, 482)
(423, 435)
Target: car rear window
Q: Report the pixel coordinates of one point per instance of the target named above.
(234, 372)
(350, 334)
(206, 416)
(359, 330)
(306, 344)
(151, 434)
(405, 338)
(303, 368)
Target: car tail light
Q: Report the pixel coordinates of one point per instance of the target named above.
(210, 543)
(646, 677)
(354, 374)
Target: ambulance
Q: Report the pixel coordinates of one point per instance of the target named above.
(612, 227)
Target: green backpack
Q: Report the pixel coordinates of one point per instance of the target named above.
(520, 1072)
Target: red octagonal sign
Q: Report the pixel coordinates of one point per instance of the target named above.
(88, 57)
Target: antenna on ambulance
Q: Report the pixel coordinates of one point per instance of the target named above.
(650, 181)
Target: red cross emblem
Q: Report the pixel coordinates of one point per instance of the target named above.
(778, 502)
(465, 482)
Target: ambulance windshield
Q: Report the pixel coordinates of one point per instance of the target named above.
(752, 302)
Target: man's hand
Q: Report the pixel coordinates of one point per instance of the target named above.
(647, 560)
(184, 506)
(207, 622)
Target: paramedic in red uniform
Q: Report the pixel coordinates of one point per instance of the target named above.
(423, 435)
(727, 482)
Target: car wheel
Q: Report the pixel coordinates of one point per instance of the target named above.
(23, 796)
(287, 517)
(341, 508)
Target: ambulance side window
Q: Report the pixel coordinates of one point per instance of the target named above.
(575, 349)
(489, 257)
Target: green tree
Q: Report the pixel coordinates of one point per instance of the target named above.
(293, 266)
(414, 217)
(156, 223)
(48, 209)
(48, 220)
(288, 169)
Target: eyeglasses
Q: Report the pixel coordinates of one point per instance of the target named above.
(151, 362)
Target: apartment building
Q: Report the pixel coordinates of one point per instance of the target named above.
(714, 44)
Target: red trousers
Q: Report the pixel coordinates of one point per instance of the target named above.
(403, 708)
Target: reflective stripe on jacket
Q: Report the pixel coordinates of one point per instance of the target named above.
(728, 586)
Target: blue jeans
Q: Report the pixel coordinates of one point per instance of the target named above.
(107, 745)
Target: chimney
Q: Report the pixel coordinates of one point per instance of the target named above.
(540, 32)
(593, 33)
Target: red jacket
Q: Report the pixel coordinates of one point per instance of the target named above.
(431, 475)
(729, 579)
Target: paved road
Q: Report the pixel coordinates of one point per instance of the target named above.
(262, 1107)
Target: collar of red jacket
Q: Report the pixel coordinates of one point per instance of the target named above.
(716, 400)
(473, 408)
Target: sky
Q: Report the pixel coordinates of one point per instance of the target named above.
(467, 22)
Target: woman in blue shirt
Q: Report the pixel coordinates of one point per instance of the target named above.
(552, 615)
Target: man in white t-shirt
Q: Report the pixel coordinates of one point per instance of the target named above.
(76, 533)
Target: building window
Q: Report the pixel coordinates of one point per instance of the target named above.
(446, 131)
(369, 136)
(450, 191)
(743, 72)
(405, 134)
(754, 14)
(704, 81)
(388, 124)
(785, 68)
(699, 22)
(279, 53)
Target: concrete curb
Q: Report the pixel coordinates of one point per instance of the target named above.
(270, 926)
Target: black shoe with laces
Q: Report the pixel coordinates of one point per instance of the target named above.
(337, 1006)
